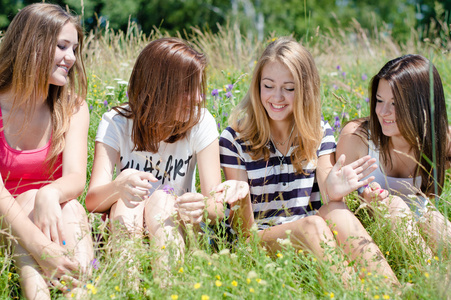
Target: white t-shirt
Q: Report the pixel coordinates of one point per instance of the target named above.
(174, 165)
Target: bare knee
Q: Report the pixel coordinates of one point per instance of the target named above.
(312, 226)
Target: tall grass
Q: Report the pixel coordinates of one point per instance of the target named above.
(346, 59)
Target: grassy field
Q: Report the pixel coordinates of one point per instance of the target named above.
(346, 60)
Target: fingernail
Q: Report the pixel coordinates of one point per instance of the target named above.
(64, 243)
(381, 191)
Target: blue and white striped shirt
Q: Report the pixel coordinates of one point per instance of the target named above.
(278, 194)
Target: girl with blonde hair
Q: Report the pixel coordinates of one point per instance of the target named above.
(278, 143)
(43, 143)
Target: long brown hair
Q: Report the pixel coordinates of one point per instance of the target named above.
(27, 58)
(250, 118)
(408, 77)
(166, 79)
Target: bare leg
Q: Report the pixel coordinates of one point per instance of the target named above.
(438, 230)
(355, 239)
(401, 215)
(165, 231)
(131, 218)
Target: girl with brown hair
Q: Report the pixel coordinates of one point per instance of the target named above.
(278, 143)
(43, 146)
(155, 141)
(407, 133)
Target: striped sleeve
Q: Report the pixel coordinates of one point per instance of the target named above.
(231, 150)
(328, 144)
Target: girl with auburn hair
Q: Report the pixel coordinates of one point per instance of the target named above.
(43, 143)
(401, 135)
(278, 143)
(156, 140)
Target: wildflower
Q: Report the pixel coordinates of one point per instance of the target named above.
(364, 77)
(105, 103)
(91, 107)
(113, 296)
(234, 283)
(205, 297)
(209, 263)
(331, 295)
(218, 277)
(252, 274)
(300, 251)
(386, 297)
(369, 274)
(163, 247)
(10, 275)
(224, 252)
(337, 123)
(338, 67)
(72, 295)
(335, 87)
(387, 253)
(197, 285)
(117, 288)
(426, 275)
(436, 258)
(343, 74)
(367, 99)
(358, 106)
(248, 280)
(215, 92)
(251, 290)
(95, 264)
(258, 280)
(229, 87)
(228, 94)
(218, 283)
(181, 270)
(279, 255)
(174, 297)
(376, 297)
(335, 232)
(168, 189)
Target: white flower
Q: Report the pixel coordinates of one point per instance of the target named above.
(252, 274)
(109, 87)
(224, 252)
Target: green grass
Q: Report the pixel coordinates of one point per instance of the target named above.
(245, 270)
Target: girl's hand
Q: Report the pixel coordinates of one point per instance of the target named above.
(231, 191)
(374, 192)
(342, 180)
(47, 214)
(54, 261)
(191, 206)
(133, 186)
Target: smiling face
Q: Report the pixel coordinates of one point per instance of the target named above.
(64, 54)
(277, 91)
(385, 109)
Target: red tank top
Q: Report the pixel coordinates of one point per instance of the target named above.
(23, 170)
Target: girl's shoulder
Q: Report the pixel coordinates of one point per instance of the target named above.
(353, 139)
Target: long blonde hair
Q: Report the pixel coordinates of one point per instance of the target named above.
(27, 57)
(250, 118)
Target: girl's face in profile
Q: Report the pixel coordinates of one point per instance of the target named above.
(183, 111)
(277, 91)
(385, 109)
(64, 57)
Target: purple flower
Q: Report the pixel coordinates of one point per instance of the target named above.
(335, 86)
(345, 115)
(358, 106)
(343, 74)
(105, 103)
(219, 126)
(338, 67)
(367, 99)
(215, 92)
(225, 114)
(229, 87)
(168, 189)
(337, 123)
(228, 94)
(95, 264)
(91, 107)
(364, 77)
(126, 94)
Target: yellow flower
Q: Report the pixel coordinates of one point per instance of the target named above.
(279, 255)
(197, 285)
(94, 291)
(174, 297)
(387, 253)
(248, 280)
(376, 297)
(113, 296)
(205, 297)
(163, 247)
(283, 285)
(72, 295)
(10, 275)
(369, 274)
(114, 275)
(429, 261)
(386, 297)
(314, 259)
(251, 290)
(218, 283)
(362, 280)
(209, 263)
(331, 295)
(300, 251)
(234, 283)
(426, 275)
(117, 288)
(97, 278)
(63, 282)
(436, 258)
(181, 270)
(218, 277)
(214, 116)
(258, 280)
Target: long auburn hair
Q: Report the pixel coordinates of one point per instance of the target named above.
(27, 54)
(408, 77)
(166, 79)
(251, 120)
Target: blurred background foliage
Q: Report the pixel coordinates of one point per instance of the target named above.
(259, 18)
